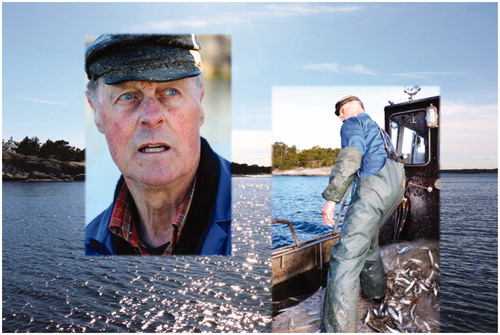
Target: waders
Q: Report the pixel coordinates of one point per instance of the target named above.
(355, 261)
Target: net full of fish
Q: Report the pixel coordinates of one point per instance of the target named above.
(411, 303)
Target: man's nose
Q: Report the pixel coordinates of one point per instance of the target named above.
(152, 113)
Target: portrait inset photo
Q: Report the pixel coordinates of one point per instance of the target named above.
(158, 145)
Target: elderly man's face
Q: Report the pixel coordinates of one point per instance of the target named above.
(349, 109)
(152, 129)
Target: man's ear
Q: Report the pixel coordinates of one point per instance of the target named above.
(97, 115)
(202, 116)
(202, 111)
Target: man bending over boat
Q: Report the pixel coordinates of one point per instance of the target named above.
(366, 161)
(174, 195)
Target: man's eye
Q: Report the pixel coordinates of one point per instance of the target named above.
(171, 92)
(126, 96)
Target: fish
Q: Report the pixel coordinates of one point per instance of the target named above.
(422, 286)
(411, 286)
(431, 259)
(375, 328)
(314, 320)
(412, 312)
(285, 309)
(404, 280)
(392, 313)
(392, 330)
(405, 301)
(401, 249)
(367, 317)
(427, 326)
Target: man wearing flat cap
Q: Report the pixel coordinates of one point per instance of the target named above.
(367, 161)
(174, 193)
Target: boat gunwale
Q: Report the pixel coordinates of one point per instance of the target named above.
(285, 250)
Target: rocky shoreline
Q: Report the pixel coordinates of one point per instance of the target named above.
(324, 171)
(17, 167)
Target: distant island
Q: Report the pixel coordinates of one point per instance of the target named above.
(470, 171)
(18, 167)
(31, 160)
(245, 169)
(319, 172)
(289, 161)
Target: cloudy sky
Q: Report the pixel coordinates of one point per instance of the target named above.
(448, 48)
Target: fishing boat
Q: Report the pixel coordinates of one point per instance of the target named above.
(301, 262)
(299, 269)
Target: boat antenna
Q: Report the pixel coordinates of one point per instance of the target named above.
(412, 90)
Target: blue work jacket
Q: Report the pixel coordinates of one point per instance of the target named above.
(216, 241)
(362, 132)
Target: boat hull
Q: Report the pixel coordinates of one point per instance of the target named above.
(300, 269)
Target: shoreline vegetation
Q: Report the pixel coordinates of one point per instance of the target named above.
(29, 160)
(18, 167)
(316, 161)
(325, 171)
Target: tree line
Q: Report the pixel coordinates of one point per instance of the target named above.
(288, 157)
(31, 146)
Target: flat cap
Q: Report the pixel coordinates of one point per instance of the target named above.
(144, 57)
(345, 100)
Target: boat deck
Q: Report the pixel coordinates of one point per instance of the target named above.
(411, 303)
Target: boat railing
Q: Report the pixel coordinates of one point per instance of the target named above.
(290, 226)
(298, 244)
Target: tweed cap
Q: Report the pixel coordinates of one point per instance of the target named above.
(144, 57)
(345, 100)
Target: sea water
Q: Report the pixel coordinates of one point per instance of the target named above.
(50, 286)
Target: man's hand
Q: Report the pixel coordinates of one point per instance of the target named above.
(327, 212)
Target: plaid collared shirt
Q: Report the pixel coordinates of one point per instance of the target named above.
(124, 223)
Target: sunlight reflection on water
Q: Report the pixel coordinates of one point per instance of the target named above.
(66, 292)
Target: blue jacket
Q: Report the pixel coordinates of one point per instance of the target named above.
(215, 241)
(363, 133)
(363, 154)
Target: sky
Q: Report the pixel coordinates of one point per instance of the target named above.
(448, 48)
(302, 116)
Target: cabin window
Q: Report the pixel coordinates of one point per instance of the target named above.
(410, 135)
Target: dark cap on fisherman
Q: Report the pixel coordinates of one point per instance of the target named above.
(345, 100)
(116, 58)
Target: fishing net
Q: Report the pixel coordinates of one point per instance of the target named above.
(411, 303)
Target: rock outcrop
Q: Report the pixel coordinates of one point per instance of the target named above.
(17, 167)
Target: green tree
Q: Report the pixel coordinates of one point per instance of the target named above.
(9, 145)
(285, 157)
(279, 153)
(29, 146)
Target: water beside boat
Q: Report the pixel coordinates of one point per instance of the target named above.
(49, 286)
(469, 253)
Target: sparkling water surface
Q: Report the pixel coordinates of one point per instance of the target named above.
(49, 286)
